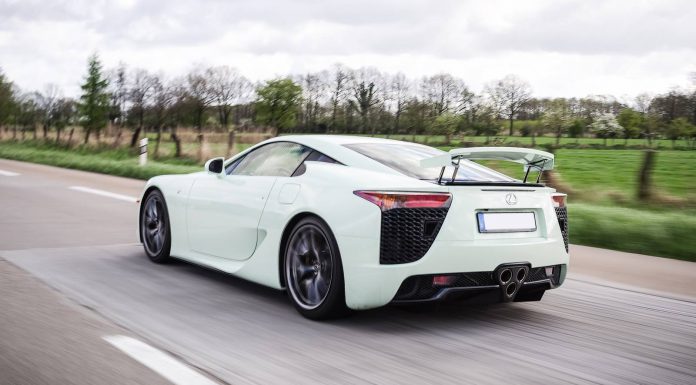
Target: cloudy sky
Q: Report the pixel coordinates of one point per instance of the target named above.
(563, 48)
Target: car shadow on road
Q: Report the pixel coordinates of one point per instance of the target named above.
(375, 320)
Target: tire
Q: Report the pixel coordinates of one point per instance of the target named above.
(154, 227)
(314, 272)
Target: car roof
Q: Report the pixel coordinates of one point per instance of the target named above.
(334, 146)
(339, 139)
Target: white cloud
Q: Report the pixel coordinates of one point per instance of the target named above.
(564, 48)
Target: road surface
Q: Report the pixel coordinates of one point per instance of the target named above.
(72, 275)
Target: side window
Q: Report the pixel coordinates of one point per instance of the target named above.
(315, 156)
(274, 159)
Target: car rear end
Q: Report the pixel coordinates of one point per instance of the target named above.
(494, 244)
(478, 241)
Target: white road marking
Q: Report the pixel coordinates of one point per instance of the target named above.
(8, 173)
(126, 198)
(162, 363)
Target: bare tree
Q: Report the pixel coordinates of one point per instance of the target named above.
(441, 92)
(119, 97)
(47, 102)
(314, 87)
(508, 95)
(199, 96)
(339, 88)
(227, 88)
(400, 91)
(162, 99)
(139, 91)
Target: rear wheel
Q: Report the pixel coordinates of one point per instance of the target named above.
(154, 227)
(313, 271)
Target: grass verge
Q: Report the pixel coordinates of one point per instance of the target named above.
(664, 234)
(113, 162)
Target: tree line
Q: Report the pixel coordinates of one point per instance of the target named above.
(131, 101)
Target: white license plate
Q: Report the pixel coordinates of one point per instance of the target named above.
(506, 222)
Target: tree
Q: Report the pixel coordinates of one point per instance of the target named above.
(28, 113)
(48, 102)
(63, 115)
(508, 95)
(163, 98)
(314, 87)
(364, 99)
(339, 89)
(605, 126)
(94, 102)
(557, 118)
(365, 95)
(139, 91)
(400, 90)
(198, 94)
(576, 128)
(445, 124)
(7, 100)
(632, 121)
(679, 127)
(118, 93)
(277, 104)
(441, 92)
(227, 88)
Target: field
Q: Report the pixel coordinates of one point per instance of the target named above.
(601, 184)
(596, 174)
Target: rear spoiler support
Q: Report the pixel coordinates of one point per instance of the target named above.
(529, 167)
(529, 158)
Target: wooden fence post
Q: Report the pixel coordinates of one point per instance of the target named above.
(645, 188)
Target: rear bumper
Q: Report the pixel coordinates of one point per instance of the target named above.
(478, 287)
(370, 284)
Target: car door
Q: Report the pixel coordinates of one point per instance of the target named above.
(223, 211)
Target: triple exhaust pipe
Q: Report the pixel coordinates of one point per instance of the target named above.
(511, 278)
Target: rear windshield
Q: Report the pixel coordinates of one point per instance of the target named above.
(405, 158)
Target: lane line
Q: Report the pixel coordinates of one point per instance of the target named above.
(8, 173)
(160, 362)
(126, 198)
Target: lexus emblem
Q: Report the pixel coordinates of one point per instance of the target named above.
(511, 199)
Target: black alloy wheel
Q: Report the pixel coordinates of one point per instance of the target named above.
(313, 271)
(154, 227)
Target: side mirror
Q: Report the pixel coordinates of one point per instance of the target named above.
(215, 165)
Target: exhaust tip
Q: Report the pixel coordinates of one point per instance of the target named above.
(505, 276)
(510, 289)
(521, 275)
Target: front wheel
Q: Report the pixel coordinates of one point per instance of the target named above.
(313, 271)
(154, 227)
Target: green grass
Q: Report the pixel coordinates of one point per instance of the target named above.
(113, 162)
(665, 234)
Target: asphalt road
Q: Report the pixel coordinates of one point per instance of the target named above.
(75, 250)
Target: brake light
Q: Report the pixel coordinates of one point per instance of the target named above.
(393, 200)
(559, 200)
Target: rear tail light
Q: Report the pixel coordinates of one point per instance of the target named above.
(393, 200)
(559, 200)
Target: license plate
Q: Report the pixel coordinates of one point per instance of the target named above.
(492, 222)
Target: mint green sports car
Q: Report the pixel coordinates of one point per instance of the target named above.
(343, 222)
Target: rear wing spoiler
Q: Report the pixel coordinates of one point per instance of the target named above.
(528, 157)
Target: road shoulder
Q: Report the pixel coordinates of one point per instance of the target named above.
(636, 272)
